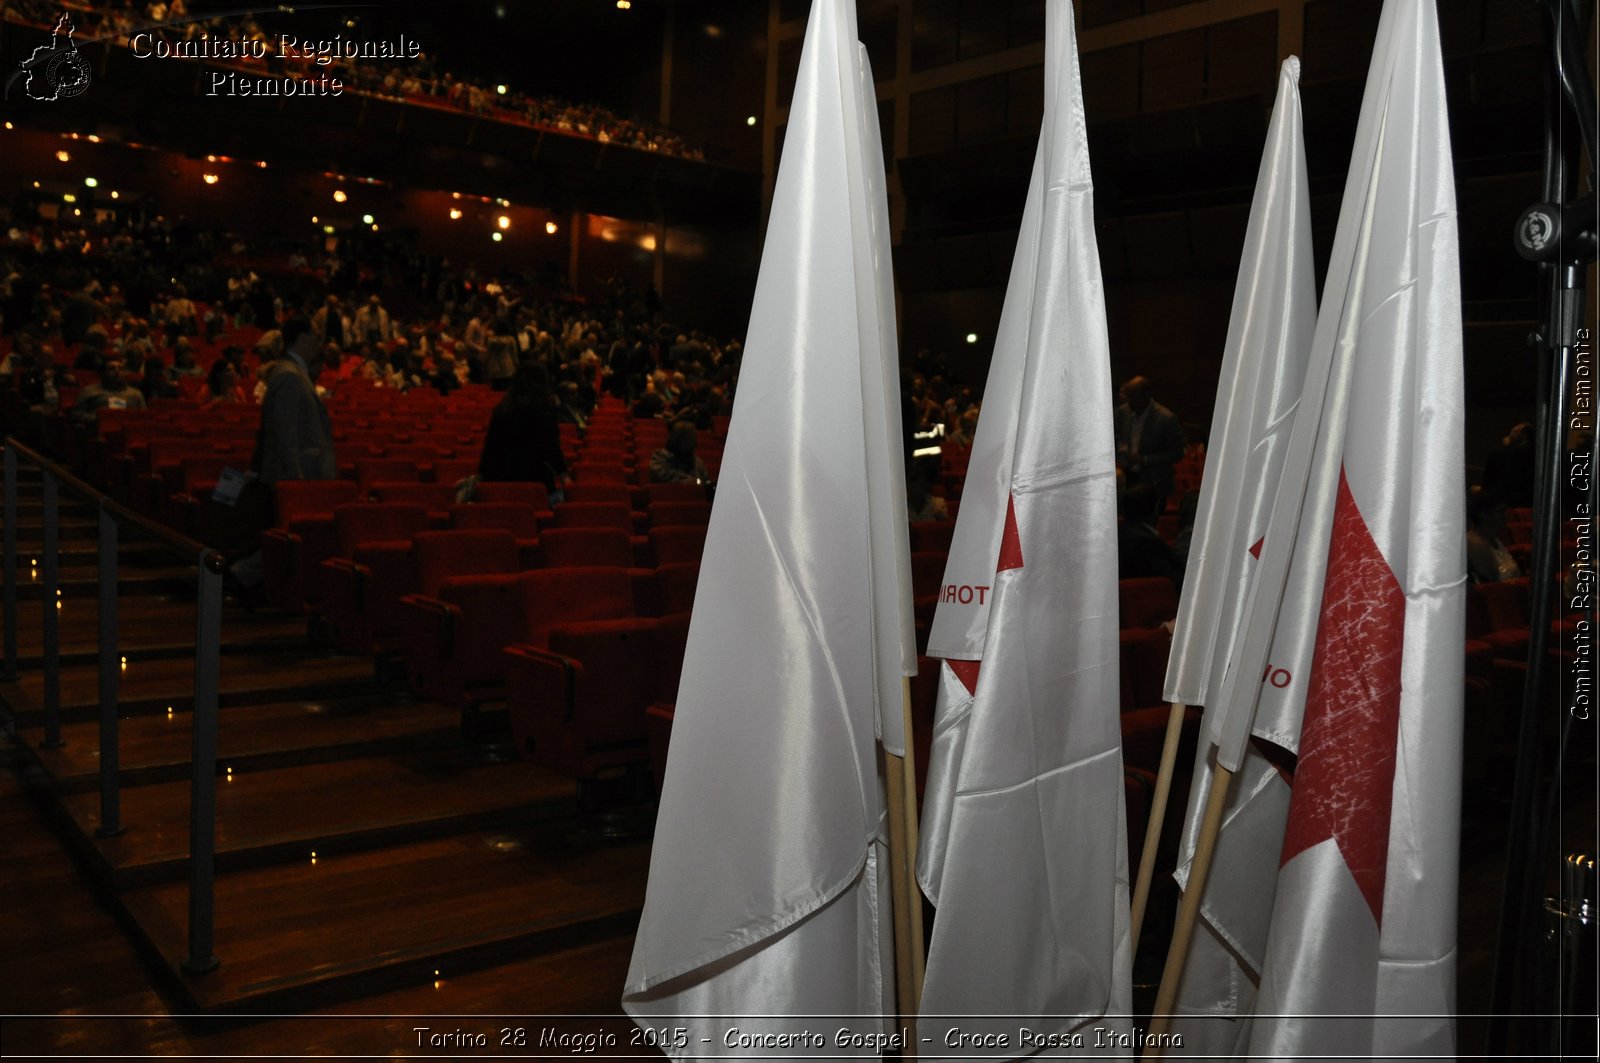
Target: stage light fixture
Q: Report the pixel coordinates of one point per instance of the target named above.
(503, 221)
(366, 219)
(750, 121)
(496, 237)
(551, 227)
(339, 196)
(455, 213)
(972, 337)
(90, 182)
(63, 156)
(209, 178)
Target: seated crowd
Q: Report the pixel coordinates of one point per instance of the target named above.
(421, 81)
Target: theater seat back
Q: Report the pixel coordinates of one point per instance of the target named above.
(551, 597)
(475, 552)
(367, 522)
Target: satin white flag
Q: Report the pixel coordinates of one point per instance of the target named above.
(768, 894)
(1024, 843)
(1364, 918)
(1263, 371)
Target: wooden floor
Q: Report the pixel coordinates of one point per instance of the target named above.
(377, 872)
(373, 865)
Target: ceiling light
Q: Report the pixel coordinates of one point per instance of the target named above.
(62, 156)
(339, 196)
(972, 337)
(366, 219)
(750, 121)
(496, 237)
(209, 178)
(501, 89)
(550, 227)
(503, 221)
(455, 213)
(90, 182)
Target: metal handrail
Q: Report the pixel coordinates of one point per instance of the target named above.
(210, 565)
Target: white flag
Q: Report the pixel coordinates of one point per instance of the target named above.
(768, 891)
(1365, 912)
(1024, 849)
(1263, 371)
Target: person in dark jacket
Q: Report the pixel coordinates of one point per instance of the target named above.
(523, 442)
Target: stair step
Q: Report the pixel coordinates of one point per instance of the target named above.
(391, 917)
(285, 814)
(81, 584)
(250, 740)
(150, 627)
(250, 677)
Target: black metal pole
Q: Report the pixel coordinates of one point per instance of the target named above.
(110, 667)
(1561, 239)
(51, 619)
(203, 791)
(11, 562)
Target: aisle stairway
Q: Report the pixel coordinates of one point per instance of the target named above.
(362, 844)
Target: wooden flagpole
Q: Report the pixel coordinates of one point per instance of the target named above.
(910, 958)
(1158, 816)
(1188, 911)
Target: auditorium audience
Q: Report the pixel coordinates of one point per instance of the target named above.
(1488, 560)
(678, 462)
(921, 503)
(222, 386)
(420, 82)
(1141, 551)
(111, 390)
(296, 440)
(522, 443)
(1149, 441)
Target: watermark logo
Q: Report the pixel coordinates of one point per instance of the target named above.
(55, 71)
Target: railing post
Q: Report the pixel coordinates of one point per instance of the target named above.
(11, 563)
(203, 793)
(52, 615)
(110, 667)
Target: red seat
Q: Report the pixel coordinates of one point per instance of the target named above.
(292, 553)
(932, 536)
(927, 572)
(372, 567)
(599, 471)
(1143, 660)
(435, 498)
(529, 494)
(578, 706)
(675, 492)
(674, 631)
(679, 514)
(670, 589)
(518, 518)
(453, 470)
(672, 545)
(567, 547)
(305, 498)
(1148, 601)
(594, 515)
(453, 639)
(522, 521)
(613, 493)
(371, 471)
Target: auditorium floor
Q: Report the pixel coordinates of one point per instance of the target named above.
(385, 887)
